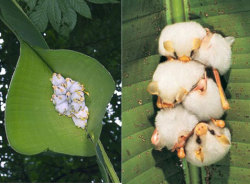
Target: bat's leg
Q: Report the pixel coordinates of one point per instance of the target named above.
(218, 123)
(224, 101)
(155, 140)
(170, 58)
(202, 85)
(181, 153)
(159, 103)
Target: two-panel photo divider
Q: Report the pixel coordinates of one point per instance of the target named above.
(125, 91)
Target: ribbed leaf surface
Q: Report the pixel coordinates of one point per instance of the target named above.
(232, 17)
(142, 23)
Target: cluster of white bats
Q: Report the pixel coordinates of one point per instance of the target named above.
(69, 99)
(191, 103)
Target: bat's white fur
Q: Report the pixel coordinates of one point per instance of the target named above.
(216, 52)
(207, 105)
(173, 75)
(213, 150)
(172, 123)
(181, 35)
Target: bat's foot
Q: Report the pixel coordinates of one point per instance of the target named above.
(218, 123)
(155, 140)
(181, 153)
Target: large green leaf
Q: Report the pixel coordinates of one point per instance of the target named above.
(32, 124)
(142, 21)
(231, 17)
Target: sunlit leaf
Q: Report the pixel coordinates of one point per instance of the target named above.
(32, 124)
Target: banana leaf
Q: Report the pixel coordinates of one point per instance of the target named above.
(142, 23)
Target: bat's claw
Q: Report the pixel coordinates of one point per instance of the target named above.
(161, 105)
(218, 123)
(181, 153)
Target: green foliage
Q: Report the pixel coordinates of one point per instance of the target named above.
(140, 163)
(60, 13)
(21, 24)
(103, 1)
(143, 21)
(76, 172)
(231, 18)
(29, 108)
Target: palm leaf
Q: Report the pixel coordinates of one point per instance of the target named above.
(142, 21)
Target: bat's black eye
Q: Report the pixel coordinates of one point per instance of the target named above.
(192, 53)
(198, 140)
(212, 132)
(175, 55)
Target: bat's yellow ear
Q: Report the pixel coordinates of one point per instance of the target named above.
(181, 94)
(168, 46)
(153, 88)
(199, 154)
(196, 43)
(223, 139)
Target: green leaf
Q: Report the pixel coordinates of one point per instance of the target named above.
(102, 1)
(69, 18)
(54, 14)
(81, 7)
(39, 16)
(32, 124)
(232, 19)
(143, 21)
(14, 17)
(101, 164)
(106, 162)
(31, 3)
(140, 163)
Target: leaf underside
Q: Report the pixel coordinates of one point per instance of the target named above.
(142, 23)
(32, 124)
(231, 18)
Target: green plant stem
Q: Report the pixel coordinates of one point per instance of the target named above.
(203, 175)
(194, 174)
(168, 12)
(177, 8)
(186, 171)
(109, 166)
(177, 11)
